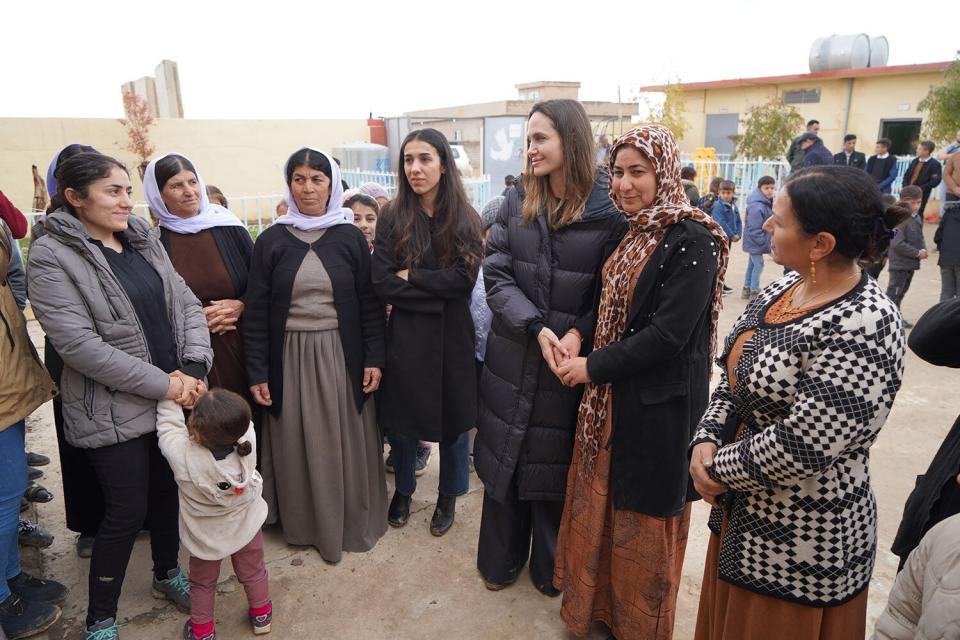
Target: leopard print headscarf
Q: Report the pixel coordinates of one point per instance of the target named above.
(647, 229)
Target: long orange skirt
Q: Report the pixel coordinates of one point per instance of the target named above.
(728, 612)
(620, 568)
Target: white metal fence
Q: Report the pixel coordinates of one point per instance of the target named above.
(745, 172)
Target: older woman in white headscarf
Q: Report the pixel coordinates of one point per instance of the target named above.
(314, 340)
(211, 249)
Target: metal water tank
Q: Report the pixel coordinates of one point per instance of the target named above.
(840, 52)
(362, 156)
(879, 51)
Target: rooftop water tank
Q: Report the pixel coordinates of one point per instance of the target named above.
(879, 51)
(840, 52)
(363, 156)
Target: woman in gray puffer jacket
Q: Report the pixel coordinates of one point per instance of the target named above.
(130, 333)
(925, 599)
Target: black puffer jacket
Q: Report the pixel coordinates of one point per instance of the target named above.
(536, 278)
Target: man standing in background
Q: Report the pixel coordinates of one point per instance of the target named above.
(795, 153)
(850, 156)
(924, 171)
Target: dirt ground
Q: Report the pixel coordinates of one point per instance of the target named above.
(412, 585)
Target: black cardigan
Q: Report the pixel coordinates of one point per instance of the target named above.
(277, 256)
(660, 372)
(236, 250)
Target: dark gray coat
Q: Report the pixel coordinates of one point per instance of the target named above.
(109, 387)
(535, 278)
(904, 251)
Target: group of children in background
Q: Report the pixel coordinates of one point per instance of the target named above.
(907, 248)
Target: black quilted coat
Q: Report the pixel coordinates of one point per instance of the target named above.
(535, 278)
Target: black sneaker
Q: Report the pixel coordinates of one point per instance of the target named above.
(37, 590)
(423, 459)
(33, 535)
(36, 459)
(21, 618)
(34, 474)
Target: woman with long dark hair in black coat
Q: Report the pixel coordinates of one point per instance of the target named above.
(426, 256)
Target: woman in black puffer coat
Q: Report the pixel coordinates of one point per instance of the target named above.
(543, 257)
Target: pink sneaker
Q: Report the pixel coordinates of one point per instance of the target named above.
(261, 623)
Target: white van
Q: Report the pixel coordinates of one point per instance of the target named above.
(461, 159)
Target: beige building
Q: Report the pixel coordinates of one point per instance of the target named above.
(870, 102)
(242, 157)
(464, 124)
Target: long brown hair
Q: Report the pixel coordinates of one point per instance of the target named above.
(457, 225)
(579, 168)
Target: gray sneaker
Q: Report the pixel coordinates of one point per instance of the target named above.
(423, 459)
(104, 630)
(175, 588)
(33, 535)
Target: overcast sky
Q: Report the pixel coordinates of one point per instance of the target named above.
(291, 59)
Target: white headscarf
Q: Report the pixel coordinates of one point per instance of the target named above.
(336, 213)
(209, 215)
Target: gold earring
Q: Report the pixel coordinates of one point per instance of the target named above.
(813, 272)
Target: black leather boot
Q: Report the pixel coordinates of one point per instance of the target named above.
(399, 511)
(443, 515)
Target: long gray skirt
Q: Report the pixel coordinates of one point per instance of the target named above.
(323, 475)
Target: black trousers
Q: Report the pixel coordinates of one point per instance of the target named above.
(138, 487)
(515, 530)
(899, 285)
(82, 498)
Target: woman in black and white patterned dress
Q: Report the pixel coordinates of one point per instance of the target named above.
(810, 371)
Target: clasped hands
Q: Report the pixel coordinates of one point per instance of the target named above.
(223, 315)
(185, 390)
(563, 356)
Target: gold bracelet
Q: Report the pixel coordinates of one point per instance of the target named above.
(574, 331)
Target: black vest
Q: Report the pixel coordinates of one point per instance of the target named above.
(881, 167)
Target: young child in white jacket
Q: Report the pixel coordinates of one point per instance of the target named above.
(213, 458)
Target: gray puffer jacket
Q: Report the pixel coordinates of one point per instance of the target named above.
(109, 388)
(925, 599)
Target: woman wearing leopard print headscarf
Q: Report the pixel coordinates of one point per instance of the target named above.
(624, 528)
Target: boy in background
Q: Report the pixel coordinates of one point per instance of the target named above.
(713, 191)
(756, 241)
(687, 177)
(725, 212)
(907, 248)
